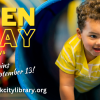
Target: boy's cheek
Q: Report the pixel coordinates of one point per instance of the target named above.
(89, 44)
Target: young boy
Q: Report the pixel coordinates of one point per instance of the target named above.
(79, 59)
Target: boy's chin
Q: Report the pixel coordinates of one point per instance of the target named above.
(96, 54)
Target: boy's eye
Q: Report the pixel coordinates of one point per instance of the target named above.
(93, 36)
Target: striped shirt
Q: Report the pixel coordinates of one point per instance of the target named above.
(72, 60)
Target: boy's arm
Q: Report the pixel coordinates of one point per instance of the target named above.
(66, 86)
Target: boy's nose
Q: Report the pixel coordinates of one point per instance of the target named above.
(98, 43)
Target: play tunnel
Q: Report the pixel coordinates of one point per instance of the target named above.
(53, 28)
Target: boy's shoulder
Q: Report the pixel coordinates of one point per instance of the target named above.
(74, 43)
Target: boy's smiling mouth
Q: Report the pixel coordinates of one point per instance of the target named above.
(96, 49)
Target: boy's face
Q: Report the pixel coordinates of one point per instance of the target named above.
(91, 37)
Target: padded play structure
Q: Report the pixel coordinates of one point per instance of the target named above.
(42, 52)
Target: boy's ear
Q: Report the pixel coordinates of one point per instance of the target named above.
(78, 33)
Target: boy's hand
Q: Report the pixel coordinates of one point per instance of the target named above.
(66, 86)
